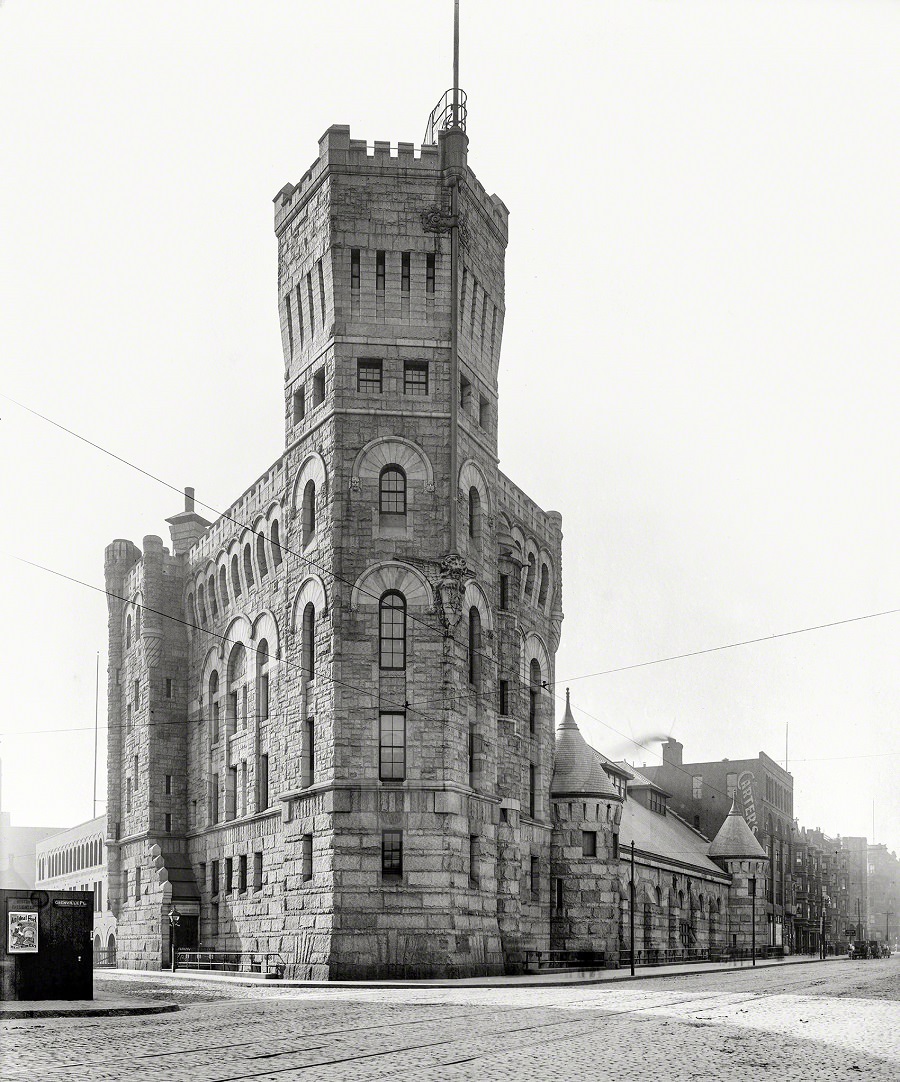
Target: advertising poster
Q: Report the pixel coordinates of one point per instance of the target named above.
(23, 932)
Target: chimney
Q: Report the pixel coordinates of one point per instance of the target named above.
(187, 527)
(672, 752)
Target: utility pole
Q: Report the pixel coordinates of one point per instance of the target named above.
(96, 726)
(753, 919)
(632, 908)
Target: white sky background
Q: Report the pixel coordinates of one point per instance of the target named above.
(699, 367)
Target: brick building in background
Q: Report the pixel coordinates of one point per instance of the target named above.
(75, 859)
(884, 894)
(702, 794)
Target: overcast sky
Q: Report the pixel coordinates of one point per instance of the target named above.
(699, 366)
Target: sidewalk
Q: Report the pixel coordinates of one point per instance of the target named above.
(549, 978)
(103, 1005)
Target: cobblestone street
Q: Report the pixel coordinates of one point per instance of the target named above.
(840, 1020)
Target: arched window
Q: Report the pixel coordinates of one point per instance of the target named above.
(474, 645)
(128, 630)
(529, 576)
(237, 687)
(215, 708)
(137, 621)
(309, 640)
(474, 514)
(534, 691)
(213, 601)
(392, 631)
(309, 511)
(392, 491)
(201, 605)
(248, 565)
(223, 586)
(190, 612)
(276, 543)
(545, 585)
(262, 680)
(235, 577)
(261, 555)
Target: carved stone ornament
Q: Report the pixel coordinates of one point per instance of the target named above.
(429, 486)
(436, 220)
(451, 586)
(354, 484)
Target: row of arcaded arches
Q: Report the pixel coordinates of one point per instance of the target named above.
(538, 583)
(72, 857)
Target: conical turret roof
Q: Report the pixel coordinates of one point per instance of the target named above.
(735, 840)
(577, 767)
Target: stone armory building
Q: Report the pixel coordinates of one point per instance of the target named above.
(331, 733)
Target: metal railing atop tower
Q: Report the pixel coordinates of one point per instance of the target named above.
(450, 112)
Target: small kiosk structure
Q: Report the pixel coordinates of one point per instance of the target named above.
(47, 949)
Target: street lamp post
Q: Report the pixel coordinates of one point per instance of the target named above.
(631, 909)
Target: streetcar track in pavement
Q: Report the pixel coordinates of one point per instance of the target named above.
(602, 1013)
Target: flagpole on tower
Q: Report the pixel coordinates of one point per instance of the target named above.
(455, 63)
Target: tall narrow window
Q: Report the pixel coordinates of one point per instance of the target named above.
(309, 641)
(306, 862)
(235, 577)
(319, 387)
(473, 859)
(534, 692)
(392, 491)
(392, 631)
(214, 707)
(214, 878)
(231, 793)
(290, 325)
(242, 873)
(257, 871)
(530, 575)
(474, 305)
(309, 511)
(322, 290)
(310, 763)
(474, 514)
(532, 790)
(392, 746)
(229, 875)
(391, 854)
(429, 273)
(589, 843)
(697, 786)
(223, 587)
(354, 269)
(137, 884)
(262, 681)
(415, 378)
(263, 782)
(484, 412)
(558, 904)
(404, 272)
(237, 670)
(474, 645)
(504, 697)
(299, 404)
(299, 293)
(261, 560)
(368, 376)
(168, 785)
(545, 585)
(275, 541)
(201, 604)
(312, 306)
(168, 822)
(128, 630)
(504, 591)
(380, 267)
(535, 877)
(248, 565)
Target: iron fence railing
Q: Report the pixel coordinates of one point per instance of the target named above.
(564, 959)
(267, 965)
(105, 959)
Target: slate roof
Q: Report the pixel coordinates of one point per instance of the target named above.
(664, 836)
(641, 781)
(578, 769)
(735, 839)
